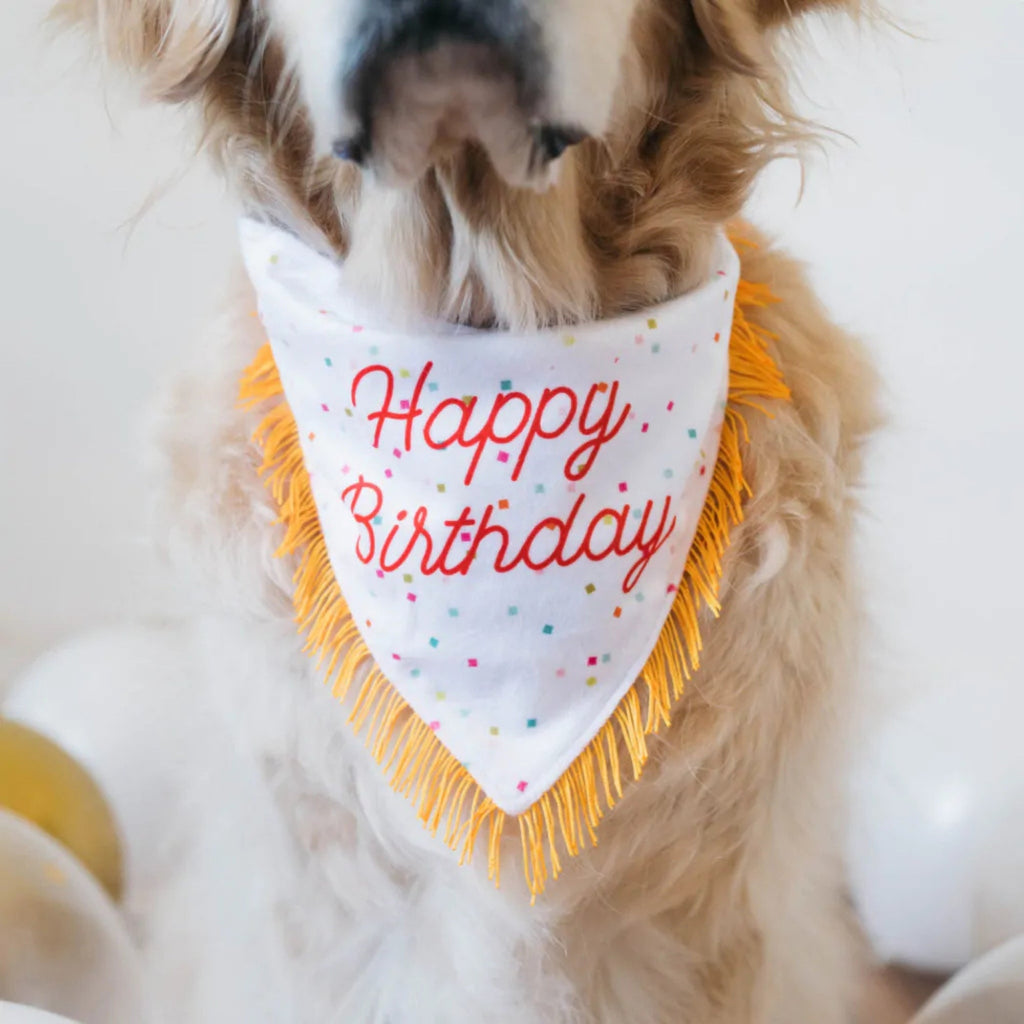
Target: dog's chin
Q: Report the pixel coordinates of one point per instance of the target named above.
(401, 151)
(399, 159)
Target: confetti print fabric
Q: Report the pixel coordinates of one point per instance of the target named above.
(508, 515)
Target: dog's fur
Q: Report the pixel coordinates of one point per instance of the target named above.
(715, 895)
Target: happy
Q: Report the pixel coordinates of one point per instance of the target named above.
(513, 418)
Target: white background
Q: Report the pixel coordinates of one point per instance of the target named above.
(912, 223)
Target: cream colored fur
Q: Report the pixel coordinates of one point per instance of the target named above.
(716, 893)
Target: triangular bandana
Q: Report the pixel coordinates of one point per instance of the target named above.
(510, 519)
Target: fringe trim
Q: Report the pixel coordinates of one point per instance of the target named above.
(564, 820)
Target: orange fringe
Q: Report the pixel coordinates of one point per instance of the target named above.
(449, 801)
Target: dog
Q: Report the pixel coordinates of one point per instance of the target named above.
(503, 164)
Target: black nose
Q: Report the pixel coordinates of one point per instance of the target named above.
(387, 29)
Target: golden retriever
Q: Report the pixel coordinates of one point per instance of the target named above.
(510, 164)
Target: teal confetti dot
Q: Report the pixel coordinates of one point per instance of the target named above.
(434, 642)
(548, 630)
(531, 723)
(669, 474)
(506, 385)
(513, 610)
(539, 489)
(605, 659)
(692, 433)
(328, 362)
(453, 612)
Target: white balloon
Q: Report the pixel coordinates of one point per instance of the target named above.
(63, 947)
(936, 849)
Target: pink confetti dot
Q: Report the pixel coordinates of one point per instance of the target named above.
(623, 487)
(323, 405)
(388, 473)
(396, 657)
(380, 574)
(671, 406)
(435, 726)
(473, 663)
(503, 456)
(466, 537)
(645, 428)
(522, 787)
(345, 470)
(357, 329)
(560, 673)
(411, 597)
(405, 403)
(397, 453)
(591, 661)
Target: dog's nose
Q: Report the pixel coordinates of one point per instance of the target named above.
(422, 77)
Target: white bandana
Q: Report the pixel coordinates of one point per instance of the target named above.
(508, 515)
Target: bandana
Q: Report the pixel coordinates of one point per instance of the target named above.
(505, 538)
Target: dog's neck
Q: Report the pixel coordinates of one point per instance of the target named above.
(464, 247)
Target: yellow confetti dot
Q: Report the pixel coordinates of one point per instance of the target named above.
(54, 874)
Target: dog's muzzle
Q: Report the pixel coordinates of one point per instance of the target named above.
(420, 78)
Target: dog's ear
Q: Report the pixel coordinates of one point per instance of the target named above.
(174, 45)
(732, 32)
(775, 12)
(735, 29)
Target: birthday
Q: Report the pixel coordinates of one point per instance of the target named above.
(415, 538)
